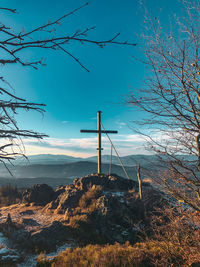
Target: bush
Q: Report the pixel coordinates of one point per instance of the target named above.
(142, 254)
(76, 220)
(9, 195)
(179, 228)
(89, 198)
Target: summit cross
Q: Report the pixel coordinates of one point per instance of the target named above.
(99, 131)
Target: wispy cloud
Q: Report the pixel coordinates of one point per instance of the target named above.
(84, 147)
(120, 124)
(125, 144)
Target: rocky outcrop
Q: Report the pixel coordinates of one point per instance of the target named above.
(111, 217)
(94, 209)
(67, 197)
(39, 194)
(103, 208)
(111, 182)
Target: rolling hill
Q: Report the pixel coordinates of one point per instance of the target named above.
(69, 170)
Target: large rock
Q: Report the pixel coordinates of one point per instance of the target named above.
(109, 221)
(40, 194)
(68, 197)
(44, 239)
(111, 182)
(47, 239)
(29, 221)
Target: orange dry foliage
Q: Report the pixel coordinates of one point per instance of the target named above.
(87, 200)
(117, 255)
(174, 241)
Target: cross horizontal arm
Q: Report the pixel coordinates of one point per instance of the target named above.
(96, 131)
(114, 132)
(89, 131)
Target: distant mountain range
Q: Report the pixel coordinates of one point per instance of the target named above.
(60, 169)
(49, 159)
(63, 166)
(68, 170)
(46, 159)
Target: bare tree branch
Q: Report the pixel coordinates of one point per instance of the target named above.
(12, 45)
(8, 9)
(170, 98)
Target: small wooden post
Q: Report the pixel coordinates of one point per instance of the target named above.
(139, 181)
(110, 167)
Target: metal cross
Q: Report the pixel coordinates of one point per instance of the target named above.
(99, 132)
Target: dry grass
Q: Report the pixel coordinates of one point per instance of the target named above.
(141, 255)
(44, 219)
(88, 199)
(76, 220)
(174, 241)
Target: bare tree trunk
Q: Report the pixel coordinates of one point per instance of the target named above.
(198, 149)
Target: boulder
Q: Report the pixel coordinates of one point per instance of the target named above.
(29, 221)
(20, 237)
(47, 239)
(113, 217)
(39, 194)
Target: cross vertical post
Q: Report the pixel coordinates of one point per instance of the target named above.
(99, 132)
(99, 141)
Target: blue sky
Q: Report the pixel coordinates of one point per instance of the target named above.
(72, 95)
